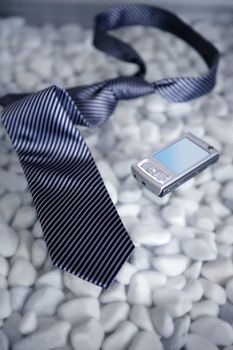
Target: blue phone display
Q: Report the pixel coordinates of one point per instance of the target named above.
(181, 155)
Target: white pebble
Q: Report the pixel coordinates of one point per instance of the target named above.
(28, 323)
(148, 235)
(121, 338)
(115, 293)
(179, 336)
(128, 209)
(171, 265)
(5, 306)
(24, 218)
(37, 230)
(146, 340)
(172, 247)
(215, 330)
(112, 314)
(176, 302)
(224, 234)
(154, 279)
(3, 282)
(162, 321)
(195, 342)
(39, 253)
(18, 296)
(80, 287)
(204, 308)
(140, 316)
(4, 266)
(4, 341)
(52, 278)
(199, 249)
(177, 282)
(219, 270)
(22, 273)
(139, 292)
(9, 204)
(77, 311)
(8, 239)
(12, 182)
(174, 215)
(194, 270)
(194, 290)
(25, 244)
(125, 273)
(229, 290)
(141, 258)
(213, 291)
(88, 336)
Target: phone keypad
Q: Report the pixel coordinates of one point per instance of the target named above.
(158, 174)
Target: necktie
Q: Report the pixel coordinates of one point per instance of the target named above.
(82, 230)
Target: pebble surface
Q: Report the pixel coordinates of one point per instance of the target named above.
(176, 290)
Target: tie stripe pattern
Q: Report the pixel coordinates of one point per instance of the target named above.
(82, 229)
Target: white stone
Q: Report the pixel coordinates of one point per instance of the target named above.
(115, 293)
(213, 291)
(77, 311)
(24, 218)
(146, 340)
(139, 292)
(202, 249)
(4, 342)
(148, 235)
(41, 66)
(80, 287)
(182, 232)
(122, 167)
(121, 338)
(9, 204)
(18, 296)
(112, 314)
(3, 282)
(194, 270)
(54, 336)
(8, 239)
(223, 173)
(215, 330)
(154, 279)
(88, 336)
(155, 104)
(172, 247)
(194, 289)
(28, 323)
(44, 301)
(195, 342)
(204, 308)
(12, 182)
(5, 306)
(140, 316)
(174, 215)
(177, 282)
(25, 245)
(22, 273)
(125, 273)
(224, 234)
(128, 209)
(171, 265)
(4, 266)
(162, 321)
(219, 270)
(229, 290)
(149, 132)
(39, 253)
(11, 327)
(141, 258)
(37, 230)
(178, 339)
(176, 302)
(52, 278)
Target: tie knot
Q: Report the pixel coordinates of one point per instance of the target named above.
(125, 88)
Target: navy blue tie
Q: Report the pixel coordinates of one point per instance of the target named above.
(83, 232)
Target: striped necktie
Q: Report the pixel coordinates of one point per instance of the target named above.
(82, 229)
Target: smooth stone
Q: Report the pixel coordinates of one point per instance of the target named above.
(204, 308)
(24, 246)
(148, 235)
(4, 266)
(26, 80)
(171, 265)
(115, 293)
(18, 296)
(179, 337)
(140, 316)
(51, 337)
(215, 330)
(199, 249)
(162, 321)
(155, 104)
(223, 173)
(77, 311)
(230, 347)
(125, 273)
(128, 210)
(224, 234)
(88, 336)
(9, 241)
(37, 230)
(219, 270)
(28, 323)
(180, 233)
(5, 305)
(224, 250)
(193, 288)
(174, 215)
(22, 273)
(121, 338)
(154, 279)
(122, 167)
(24, 218)
(150, 132)
(4, 342)
(229, 290)
(11, 327)
(177, 282)
(9, 205)
(194, 270)
(226, 313)
(44, 301)
(12, 182)
(39, 253)
(213, 291)
(226, 194)
(79, 287)
(141, 258)
(3, 282)
(176, 302)
(130, 192)
(195, 342)
(171, 248)
(139, 292)
(146, 340)
(42, 66)
(112, 314)
(51, 278)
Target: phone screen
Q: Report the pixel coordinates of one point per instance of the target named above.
(181, 155)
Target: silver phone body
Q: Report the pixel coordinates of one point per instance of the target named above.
(161, 179)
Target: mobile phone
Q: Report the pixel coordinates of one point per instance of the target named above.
(163, 171)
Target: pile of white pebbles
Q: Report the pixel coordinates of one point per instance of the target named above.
(176, 291)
